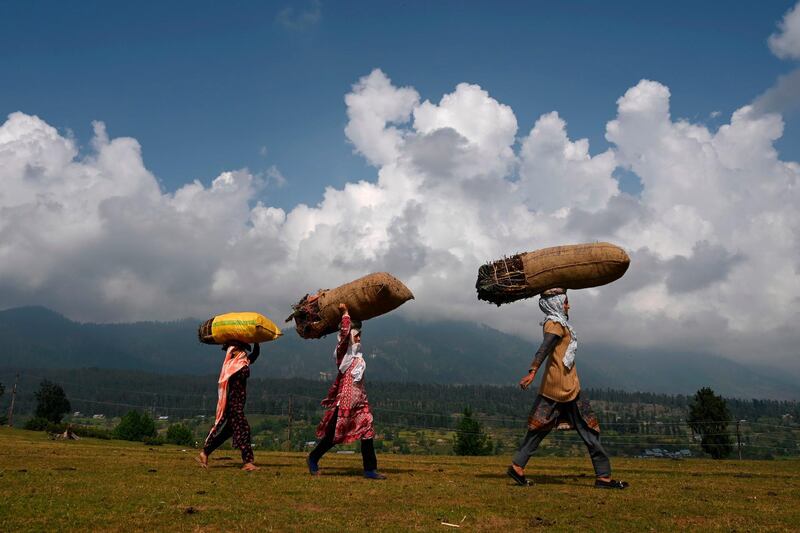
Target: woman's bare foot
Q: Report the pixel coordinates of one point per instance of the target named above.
(202, 459)
(249, 467)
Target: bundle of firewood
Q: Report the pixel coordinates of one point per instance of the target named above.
(503, 281)
(575, 266)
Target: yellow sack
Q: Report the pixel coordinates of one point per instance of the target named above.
(246, 327)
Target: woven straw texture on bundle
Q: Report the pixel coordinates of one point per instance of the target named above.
(576, 266)
(367, 297)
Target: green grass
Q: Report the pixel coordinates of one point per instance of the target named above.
(93, 485)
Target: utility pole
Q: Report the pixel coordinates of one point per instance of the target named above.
(739, 438)
(290, 423)
(13, 397)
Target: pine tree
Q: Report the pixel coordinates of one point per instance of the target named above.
(135, 426)
(470, 438)
(709, 417)
(51, 402)
(180, 434)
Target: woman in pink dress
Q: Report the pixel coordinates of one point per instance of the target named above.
(230, 420)
(348, 417)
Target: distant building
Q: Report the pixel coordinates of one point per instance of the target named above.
(164, 417)
(98, 417)
(661, 452)
(77, 414)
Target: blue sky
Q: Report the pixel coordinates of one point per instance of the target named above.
(210, 86)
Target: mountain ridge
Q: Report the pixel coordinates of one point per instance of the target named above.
(396, 349)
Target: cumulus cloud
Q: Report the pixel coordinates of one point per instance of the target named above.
(713, 235)
(785, 43)
(557, 173)
(371, 106)
(708, 264)
(784, 96)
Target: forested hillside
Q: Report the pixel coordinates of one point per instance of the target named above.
(422, 413)
(397, 350)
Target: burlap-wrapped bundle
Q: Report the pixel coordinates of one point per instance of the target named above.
(576, 266)
(246, 327)
(373, 295)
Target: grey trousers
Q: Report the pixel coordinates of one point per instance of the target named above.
(534, 437)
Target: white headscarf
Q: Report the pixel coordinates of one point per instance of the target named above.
(553, 307)
(353, 352)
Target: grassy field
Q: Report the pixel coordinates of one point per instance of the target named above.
(117, 486)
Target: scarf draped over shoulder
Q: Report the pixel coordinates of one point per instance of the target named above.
(235, 360)
(552, 305)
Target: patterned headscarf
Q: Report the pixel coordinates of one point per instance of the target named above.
(552, 305)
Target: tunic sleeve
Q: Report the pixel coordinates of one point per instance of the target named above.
(344, 337)
(549, 344)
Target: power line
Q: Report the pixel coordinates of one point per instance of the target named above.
(120, 404)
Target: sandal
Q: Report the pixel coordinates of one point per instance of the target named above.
(520, 479)
(612, 484)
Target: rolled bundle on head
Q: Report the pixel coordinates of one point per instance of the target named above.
(373, 295)
(576, 266)
(246, 327)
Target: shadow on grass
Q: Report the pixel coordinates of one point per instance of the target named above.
(538, 479)
(339, 471)
(349, 471)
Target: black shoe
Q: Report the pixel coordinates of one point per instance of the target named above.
(521, 480)
(612, 484)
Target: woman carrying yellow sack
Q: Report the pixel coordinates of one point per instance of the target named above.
(232, 395)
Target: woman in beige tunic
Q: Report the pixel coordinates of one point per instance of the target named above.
(559, 400)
